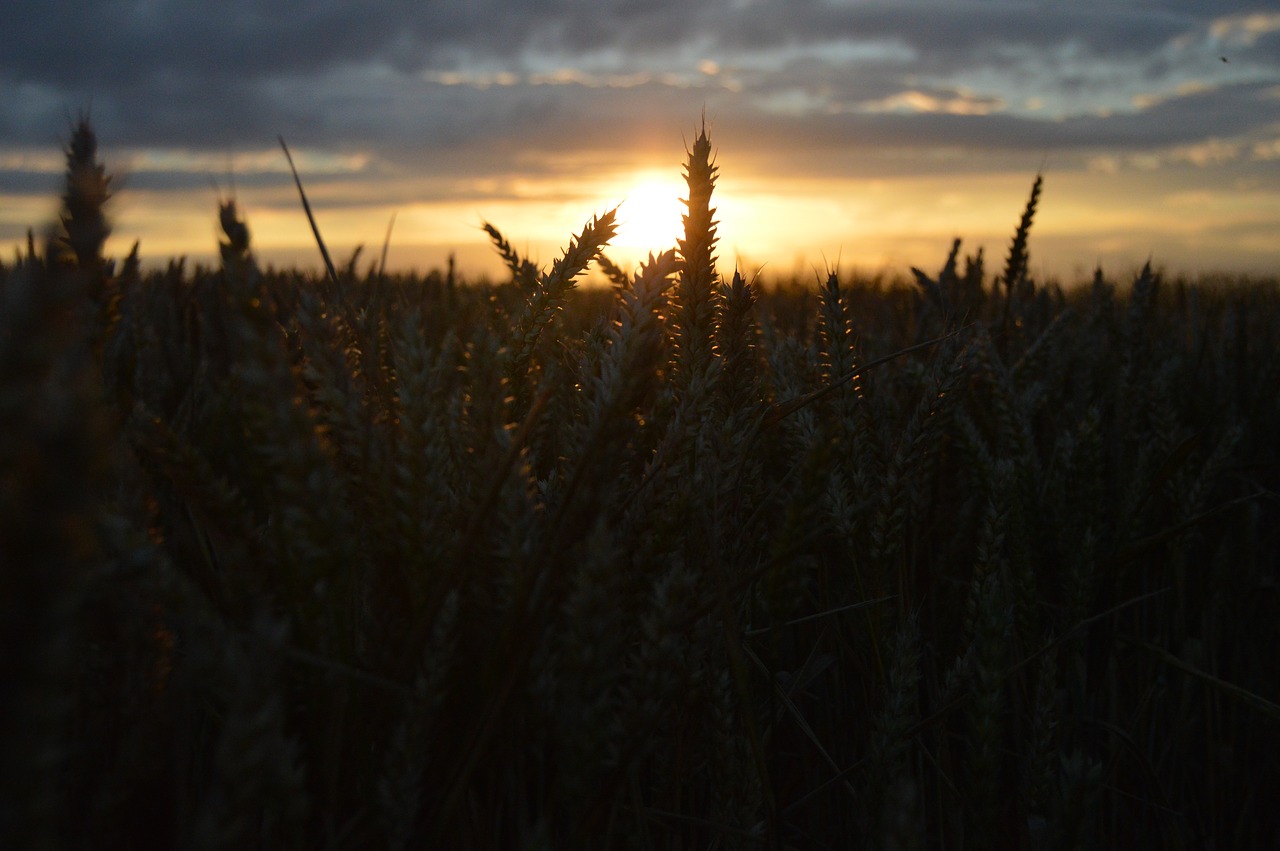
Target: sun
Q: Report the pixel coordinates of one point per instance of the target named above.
(651, 215)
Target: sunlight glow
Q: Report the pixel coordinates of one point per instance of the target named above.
(784, 226)
(651, 215)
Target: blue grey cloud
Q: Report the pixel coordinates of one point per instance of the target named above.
(477, 85)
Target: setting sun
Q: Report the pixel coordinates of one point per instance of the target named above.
(650, 217)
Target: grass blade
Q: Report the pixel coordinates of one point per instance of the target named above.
(306, 206)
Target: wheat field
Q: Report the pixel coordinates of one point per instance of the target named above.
(365, 560)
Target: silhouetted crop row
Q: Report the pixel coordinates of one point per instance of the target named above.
(390, 562)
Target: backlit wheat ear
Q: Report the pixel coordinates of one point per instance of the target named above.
(1016, 264)
(523, 272)
(87, 192)
(619, 379)
(971, 282)
(547, 299)
(736, 345)
(696, 294)
(237, 257)
(1015, 267)
(613, 272)
(839, 344)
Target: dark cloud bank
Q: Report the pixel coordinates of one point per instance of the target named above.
(209, 75)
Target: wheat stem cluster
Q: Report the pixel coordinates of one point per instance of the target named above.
(692, 561)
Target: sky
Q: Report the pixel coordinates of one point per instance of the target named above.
(863, 135)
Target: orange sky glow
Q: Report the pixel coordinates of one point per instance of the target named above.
(786, 226)
(866, 135)
(783, 226)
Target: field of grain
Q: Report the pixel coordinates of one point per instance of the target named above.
(365, 560)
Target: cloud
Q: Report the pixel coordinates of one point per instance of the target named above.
(1244, 30)
(538, 88)
(955, 102)
(108, 42)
